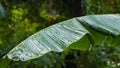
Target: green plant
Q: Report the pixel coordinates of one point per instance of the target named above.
(81, 33)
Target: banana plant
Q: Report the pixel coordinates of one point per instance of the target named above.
(80, 33)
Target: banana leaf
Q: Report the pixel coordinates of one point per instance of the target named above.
(79, 33)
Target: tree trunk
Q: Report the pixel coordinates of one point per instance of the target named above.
(75, 7)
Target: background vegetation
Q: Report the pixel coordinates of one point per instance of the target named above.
(21, 18)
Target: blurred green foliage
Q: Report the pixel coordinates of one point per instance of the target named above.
(22, 18)
(103, 7)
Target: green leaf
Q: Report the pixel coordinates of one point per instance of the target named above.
(54, 38)
(77, 33)
(82, 44)
(113, 41)
(107, 24)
